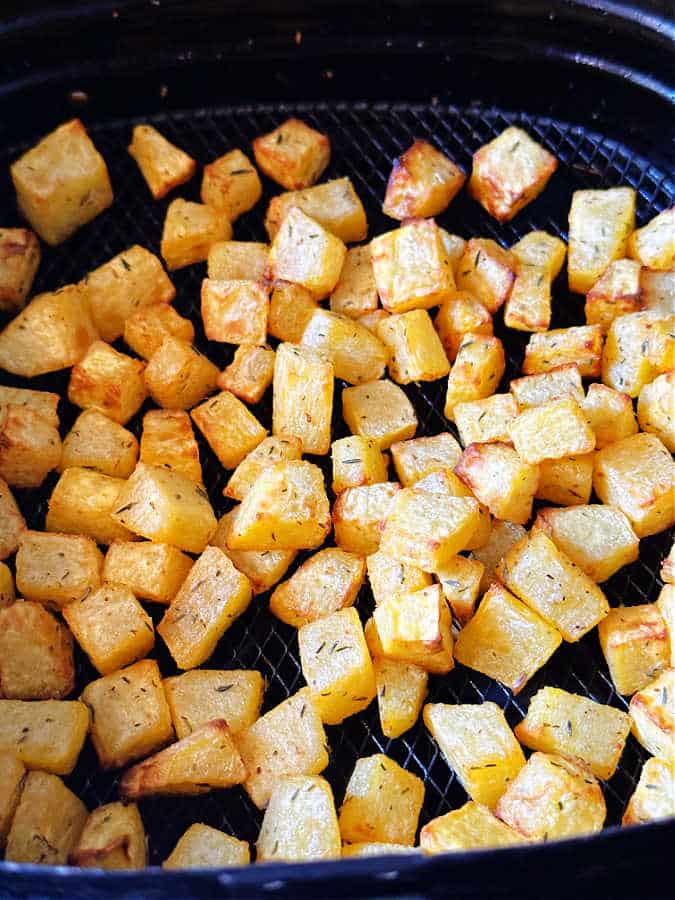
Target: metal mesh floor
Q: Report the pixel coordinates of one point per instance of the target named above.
(365, 139)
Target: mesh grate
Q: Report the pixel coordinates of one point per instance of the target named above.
(365, 138)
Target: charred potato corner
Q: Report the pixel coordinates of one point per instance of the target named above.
(399, 555)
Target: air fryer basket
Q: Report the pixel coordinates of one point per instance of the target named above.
(372, 95)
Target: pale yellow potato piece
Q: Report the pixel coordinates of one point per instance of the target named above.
(231, 184)
(291, 306)
(499, 479)
(616, 293)
(446, 483)
(168, 440)
(454, 246)
(567, 481)
(416, 458)
(636, 646)
(304, 253)
(554, 430)
(300, 824)
(657, 289)
(36, 654)
(656, 409)
(460, 580)
(302, 404)
(262, 568)
(235, 312)
(250, 373)
(97, 442)
(269, 452)
(30, 447)
(388, 576)
(146, 328)
(503, 536)
(632, 350)
(293, 154)
(202, 695)
(415, 627)
(230, 428)
(360, 514)
(163, 165)
(43, 403)
(486, 421)
(538, 248)
(414, 348)
(357, 461)
(358, 355)
(356, 292)
(651, 710)
(83, 502)
(654, 797)
(560, 381)
(470, 827)
(609, 413)
(19, 261)
(458, 316)
(379, 410)
(237, 259)
(334, 204)
(151, 571)
(654, 244)
(476, 372)
(401, 691)
(600, 223)
(113, 838)
(44, 734)
(190, 230)
(486, 270)
(580, 344)
(177, 376)
(57, 568)
(422, 183)
(203, 847)
(371, 320)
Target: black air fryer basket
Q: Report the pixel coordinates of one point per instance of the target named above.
(592, 81)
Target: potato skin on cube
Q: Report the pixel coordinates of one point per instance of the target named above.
(83, 502)
(19, 261)
(163, 165)
(654, 796)
(152, 571)
(36, 654)
(600, 223)
(401, 691)
(359, 516)
(203, 847)
(231, 185)
(96, 442)
(168, 440)
(415, 627)
(294, 155)
(379, 410)
(651, 710)
(300, 823)
(232, 431)
(304, 253)
(335, 205)
(113, 838)
(201, 695)
(110, 381)
(190, 230)
(57, 568)
(500, 480)
(636, 646)
(423, 182)
(467, 828)
(177, 376)
(44, 734)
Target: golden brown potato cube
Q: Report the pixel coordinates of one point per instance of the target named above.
(580, 344)
(382, 802)
(414, 348)
(568, 481)
(36, 654)
(165, 506)
(324, 584)
(286, 509)
(558, 382)
(269, 452)
(125, 285)
(476, 371)
(204, 760)
(230, 429)
(423, 182)
(112, 627)
(235, 312)
(503, 536)
(470, 827)
(542, 250)
(82, 502)
(109, 381)
(163, 165)
(458, 316)
(636, 646)
(291, 307)
(19, 261)
(44, 734)
(231, 184)
(486, 421)
(651, 710)
(460, 580)
(411, 267)
(190, 230)
(636, 475)
(415, 459)
(658, 289)
(576, 727)
(654, 244)
(360, 514)
(96, 442)
(528, 307)
(12, 780)
(168, 440)
(113, 838)
(145, 330)
(294, 155)
(335, 205)
(357, 355)
(478, 745)
(44, 403)
(401, 691)
(287, 740)
(379, 410)
(655, 409)
(300, 824)
(600, 223)
(130, 717)
(506, 640)
(357, 461)
(237, 260)
(199, 696)
(250, 373)
(47, 824)
(500, 480)
(30, 447)
(212, 596)
(446, 483)
(614, 294)
(53, 332)
(609, 413)
(388, 576)
(654, 796)
(597, 538)
(7, 592)
(509, 172)
(62, 182)
(553, 797)
(627, 360)
(415, 627)
(356, 292)
(304, 253)
(554, 430)
(203, 847)
(151, 571)
(57, 568)
(487, 272)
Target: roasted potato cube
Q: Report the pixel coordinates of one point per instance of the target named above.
(636, 646)
(250, 373)
(460, 315)
(388, 576)
(379, 410)
(300, 824)
(509, 172)
(335, 205)
(12, 780)
(468, 828)
(268, 453)
(415, 627)
(573, 726)
(231, 430)
(62, 182)
(486, 421)
(96, 442)
(357, 355)
(414, 348)
(151, 571)
(401, 691)
(30, 447)
(36, 654)
(554, 430)
(262, 568)
(357, 461)
(476, 371)
(199, 696)
(506, 640)
(43, 403)
(553, 797)
(286, 509)
(454, 246)
(499, 479)
(47, 824)
(324, 584)
(212, 596)
(83, 502)
(203, 847)
(666, 606)
(287, 740)
(655, 409)
(231, 185)
(627, 360)
(163, 165)
(567, 481)
(302, 404)
(235, 312)
(7, 593)
(53, 332)
(423, 182)
(657, 290)
(19, 261)
(204, 760)
(542, 250)
(580, 344)
(57, 568)
(113, 838)
(360, 514)
(44, 734)
(130, 717)
(460, 580)
(654, 796)
(416, 458)
(653, 245)
(503, 536)
(304, 253)
(487, 272)
(614, 294)
(109, 381)
(478, 745)
(447, 484)
(356, 292)
(168, 440)
(558, 382)
(382, 802)
(190, 230)
(294, 155)
(651, 710)
(609, 413)
(411, 267)
(237, 260)
(636, 475)
(145, 330)
(528, 307)
(124, 286)
(600, 223)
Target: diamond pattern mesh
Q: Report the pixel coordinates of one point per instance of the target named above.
(365, 138)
